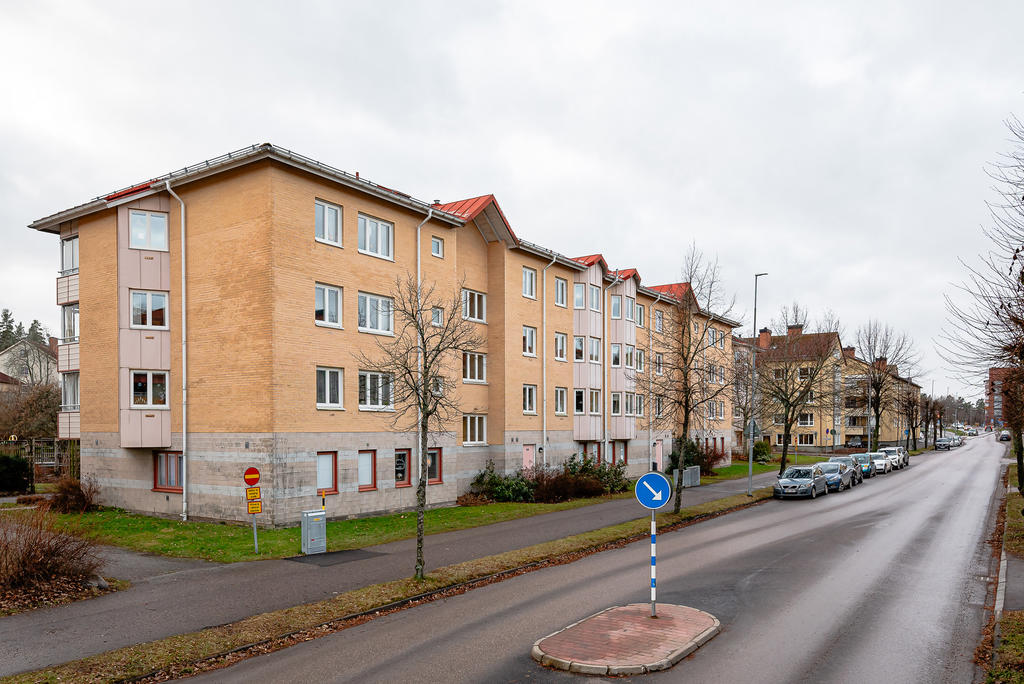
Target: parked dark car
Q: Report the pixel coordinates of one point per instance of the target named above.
(1004, 436)
(943, 443)
(800, 481)
(852, 464)
(867, 464)
(854, 443)
(838, 476)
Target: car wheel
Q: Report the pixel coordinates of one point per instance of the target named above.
(824, 490)
(814, 491)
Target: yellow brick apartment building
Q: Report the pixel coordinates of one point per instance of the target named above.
(213, 319)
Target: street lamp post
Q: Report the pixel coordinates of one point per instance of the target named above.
(750, 402)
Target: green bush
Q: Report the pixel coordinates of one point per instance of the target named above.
(762, 451)
(516, 487)
(15, 473)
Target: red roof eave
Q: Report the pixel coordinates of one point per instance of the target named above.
(141, 187)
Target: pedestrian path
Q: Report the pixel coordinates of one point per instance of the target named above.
(174, 596)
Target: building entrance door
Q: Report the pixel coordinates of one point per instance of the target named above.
(529, 454)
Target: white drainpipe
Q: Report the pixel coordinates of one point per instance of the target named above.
(606, 390)
(419, 350)
(650, 381)
(544, 359)
(184, 365)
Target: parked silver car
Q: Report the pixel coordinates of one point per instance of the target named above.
(801, 481)
(883, 464)
(851, 462)
(898, 455)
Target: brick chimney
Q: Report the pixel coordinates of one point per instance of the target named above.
(894, 370)
(880, 363)
(53, 345)
(764, 338)
(850, 352)
(797, 329)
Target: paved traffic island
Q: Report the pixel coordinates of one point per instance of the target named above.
(626, 640)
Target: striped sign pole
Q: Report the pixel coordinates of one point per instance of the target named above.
(653, 491)
(654, 562)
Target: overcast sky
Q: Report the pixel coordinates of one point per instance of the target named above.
(841, 147)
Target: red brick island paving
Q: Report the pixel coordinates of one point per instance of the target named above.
(627, 640)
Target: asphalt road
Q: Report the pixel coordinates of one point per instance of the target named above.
(174, 596)
(883, 583)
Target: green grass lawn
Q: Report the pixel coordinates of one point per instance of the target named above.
(739, 469)
(231, 543)
(1008, 665)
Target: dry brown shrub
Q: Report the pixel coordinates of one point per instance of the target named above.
(74, 496)
(33, 551)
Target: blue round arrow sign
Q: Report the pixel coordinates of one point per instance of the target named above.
(653, 490)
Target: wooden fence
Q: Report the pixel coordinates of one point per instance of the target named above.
(47, 455)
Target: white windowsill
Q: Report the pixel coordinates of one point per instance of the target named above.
(371, 331)
(325, 324)
(328, 407)
(149, 249)
(140, 407)
(532, 356)
(324, 241)
(376, 256)
(563, 360)
(529, 413)
(474, 444)
(147, 327)
(376, 409)
(473, 382)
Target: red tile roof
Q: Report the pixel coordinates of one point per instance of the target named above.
(469, 209)
(627, 273)
(591, 259)
(675, 290)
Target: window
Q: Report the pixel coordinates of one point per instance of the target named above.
(805, 420)
(437, 386)
(366, 470)
(595, 350)
(616, 306)
(711, 336)
(69, 256)
(327, 472)
(779, 373)
(561, 339)
(658, 406)
(474, 306)
(149, 389)
(329, 388)
(780, 439)
(595, 402)
(579, 295)
(436, 316)
(434, 465)
(529, 341)
(374, 391)
(711, 410)
(711, 373)
(658, 363)
(721, 339)
(530, 399)
(629, 308)
(529, 282)
(167, 471)
(327, 305)
(403, 474)
(639, 404)
(147, 230)
(69, 392)
(721, 375)
(659, 321)
(69, 323)
(639, 360)
(805, 439)
(474, 367)
(328, 222)
(616, 350)
(437, 247)
(578, 348)
(721, 410)
(804, 373)
(629, 401)
(561, 394)
(561, 291)
(375, 315)
(629, 356)
(779, 419)
(616, 403)
(149, 310)
(595, 298)
(579, 399)
(640, 315)
(474, 428)
(375, 237)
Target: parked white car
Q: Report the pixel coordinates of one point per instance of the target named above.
(883, 464)
(898, 456)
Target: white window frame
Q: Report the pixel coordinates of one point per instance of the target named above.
(616, 401)
(639, 360)
(615, 354)
(579, 348)
(561, 343)
(436, 316)
(70, 391)
(659, 363)
(595, 400)
(437, 247)
(579, 402)
(474, 425)
(327, 289)
(529, 282)
(474, 305)
(471, 363)
(616, 306)
(529, 341)
(595, 350)
(595, 298)
(149, 405)
(579, 295)
(365, 300)
(721, 340)
(627, 361)
(561, 396)
(805, 439)
(628, 313)
(561, 292)
(323, 208)
(69, 256)
(132, 244)
(639, 405)
(640, 311)
(383, 379)
(149, 309)
(383, 249)
(721, 409)
(529, 400)
(659, 321)
(659, 406)
(809, 422)
(628, 401)
(328, 372)
(69, 323)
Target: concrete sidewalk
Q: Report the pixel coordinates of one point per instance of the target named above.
(174, 596)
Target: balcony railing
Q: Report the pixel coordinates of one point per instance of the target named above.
(67, 408)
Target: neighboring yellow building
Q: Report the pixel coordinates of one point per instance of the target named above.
(289, 264)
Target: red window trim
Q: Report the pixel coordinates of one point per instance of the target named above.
(440, 463)
(625, 452)
(407, 482)
(156, 474)
(373, 469)
(334, 471)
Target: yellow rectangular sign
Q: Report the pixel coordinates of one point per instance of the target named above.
(252, 493)
(255, 507)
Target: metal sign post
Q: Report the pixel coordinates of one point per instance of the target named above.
(653, 491)
(253, 502)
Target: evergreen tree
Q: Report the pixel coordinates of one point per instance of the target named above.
(7, 337)
(38, 333)
(19, 332)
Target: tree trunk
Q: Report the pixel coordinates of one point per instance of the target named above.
(421, 497)
(785, 449)
(1018, 452)
(679, 466)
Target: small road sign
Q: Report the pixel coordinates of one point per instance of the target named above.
(251, 477)
(653, 490)
(255, 507)
(252, 493)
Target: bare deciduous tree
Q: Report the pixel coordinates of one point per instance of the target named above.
(887, 352)
(421, 362)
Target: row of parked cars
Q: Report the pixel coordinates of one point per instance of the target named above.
(839, 472)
